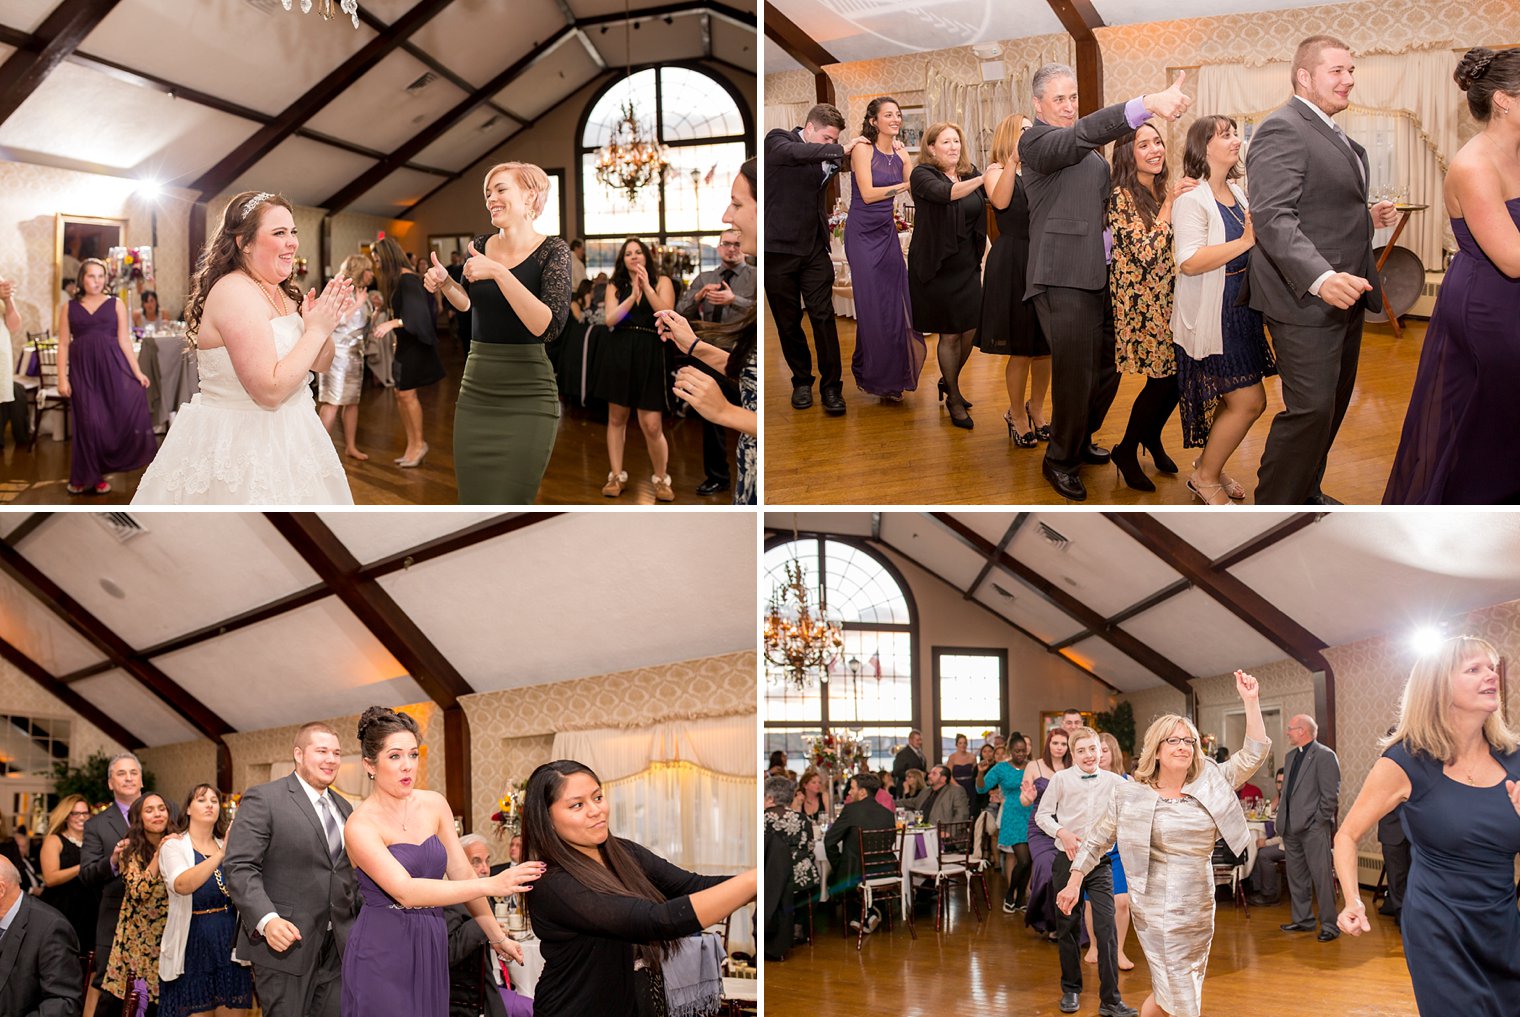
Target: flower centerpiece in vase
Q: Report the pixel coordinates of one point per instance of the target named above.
(508, 814)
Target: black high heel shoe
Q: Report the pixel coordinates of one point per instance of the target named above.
(963, 421)
(1124, 456)
(1041, 432)
(944, 393)
(1025, 439)
(1163, 461)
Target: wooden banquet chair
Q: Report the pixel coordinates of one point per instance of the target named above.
(880, 879)
(952, 863)
(1233, 876)
(48, 396)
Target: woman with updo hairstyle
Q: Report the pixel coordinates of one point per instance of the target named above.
(1458, 445)
(402, 843)
(251, 435)
(517, 290)
(608, 912)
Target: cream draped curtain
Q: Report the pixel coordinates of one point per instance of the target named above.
(785, 115)
(685, 789)
(1405, 112)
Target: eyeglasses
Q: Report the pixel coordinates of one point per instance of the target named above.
(729, 243)
(1191, 743)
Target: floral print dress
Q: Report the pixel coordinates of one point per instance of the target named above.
(1141, 279)
(800, 836)
(139, 932)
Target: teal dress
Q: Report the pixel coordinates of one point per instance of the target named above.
(1015, 825)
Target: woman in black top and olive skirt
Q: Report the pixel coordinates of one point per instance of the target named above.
(507, 415)
(608, 911)
(945, 257)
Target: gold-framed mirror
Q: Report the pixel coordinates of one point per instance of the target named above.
(79, 237)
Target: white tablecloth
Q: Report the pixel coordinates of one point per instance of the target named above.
(918, 844)
(175, 376)
(525, 975)
(1258, 828)
(823, 868)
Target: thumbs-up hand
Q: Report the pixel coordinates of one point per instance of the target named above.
(1171, 104)
(478, 266)
(436, 275)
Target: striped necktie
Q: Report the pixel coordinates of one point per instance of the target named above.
(330, 824)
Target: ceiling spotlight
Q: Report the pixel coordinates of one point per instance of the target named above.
(1427, 639)
(149, 189)
(669, 20)
(604, 30)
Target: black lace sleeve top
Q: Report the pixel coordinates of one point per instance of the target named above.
(545, 273)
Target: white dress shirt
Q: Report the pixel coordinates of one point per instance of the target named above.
(1075, 800)
(314, 796)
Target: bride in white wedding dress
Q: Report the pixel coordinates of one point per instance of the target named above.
(252, 436)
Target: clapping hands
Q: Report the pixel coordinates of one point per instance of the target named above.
(332, 306)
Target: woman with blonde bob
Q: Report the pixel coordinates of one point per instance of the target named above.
(517, 289)
(945, 257)
(1452, 764)
(339, 386)
(1166, 822)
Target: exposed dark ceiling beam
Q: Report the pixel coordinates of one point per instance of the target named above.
(486, 529)
(798, 45)
(733, 14)
(87, 672)
(73, 700)
(262, 613)
(1265, 539)
(317, 98)
(1002, 545)
(1139, 607)
(361, 184)
(28, 527)
(116, 649)
(60, 34)
(1080, 19)
(1138, 651)
(1241, 601)
(335, 565)
(1006, 621)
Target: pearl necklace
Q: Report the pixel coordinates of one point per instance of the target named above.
(279, 308)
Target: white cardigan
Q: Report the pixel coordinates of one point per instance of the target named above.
(175, 859)
(1199, 301)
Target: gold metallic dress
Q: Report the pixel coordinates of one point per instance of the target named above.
(1174, 916)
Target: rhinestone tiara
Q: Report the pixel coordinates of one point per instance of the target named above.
(253, 203)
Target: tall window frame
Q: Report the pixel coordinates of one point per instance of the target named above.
(862, 637)
(971, 726)
(704, 256)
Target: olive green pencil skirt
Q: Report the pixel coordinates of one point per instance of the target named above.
(504, 424)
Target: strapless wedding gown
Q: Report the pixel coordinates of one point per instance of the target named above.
(226, 449)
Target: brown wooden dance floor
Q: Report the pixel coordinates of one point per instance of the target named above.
(577, 469)
(881, 453)
(1001, 967)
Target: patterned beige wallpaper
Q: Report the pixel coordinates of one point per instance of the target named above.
(512, 732)
(178, 768)
(1369, 679)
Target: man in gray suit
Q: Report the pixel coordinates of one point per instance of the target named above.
(291, 880)
(1306, 822)
(943, 801)
(1309, 209)
(105, 835)
(1067, 182)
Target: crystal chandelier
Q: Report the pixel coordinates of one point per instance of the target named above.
(328, 9)
(632, 159)
(798, 640)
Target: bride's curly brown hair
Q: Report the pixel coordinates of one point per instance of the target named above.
(223, 253)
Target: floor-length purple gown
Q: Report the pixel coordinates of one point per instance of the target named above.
(113, 429)
(1041, 913)
(1458, 445)
(888, 352)
(397, 959)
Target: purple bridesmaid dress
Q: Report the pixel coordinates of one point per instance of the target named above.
(397, 959)
(113, 430)
(888, 352)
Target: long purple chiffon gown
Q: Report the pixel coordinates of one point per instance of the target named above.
(397, 959)
(888, 352)
(113, 430)
(1458, 445)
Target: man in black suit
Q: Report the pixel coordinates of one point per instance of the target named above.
(290, 877)
(861, 812)
(909, 757)
(1067, 181)
(798, 270)
(1314, 232)
(39, 955)
(472, 986)
(105, 835)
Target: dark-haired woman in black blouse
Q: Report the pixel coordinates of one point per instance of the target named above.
(519, 297)
(608, 911)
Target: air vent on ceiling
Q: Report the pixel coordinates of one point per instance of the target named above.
(1055, 538)
(1002, 592)
(120, 525)
(263, 6)
(416, 87)
(490, 123)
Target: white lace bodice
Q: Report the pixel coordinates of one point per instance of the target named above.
(220, 386)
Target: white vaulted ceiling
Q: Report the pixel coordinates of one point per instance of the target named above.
(507, 600)
(167, 89)
(1341, 577)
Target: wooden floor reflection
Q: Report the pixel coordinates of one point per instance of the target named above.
(1000, 967)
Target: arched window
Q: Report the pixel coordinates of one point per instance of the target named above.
(698, 117)
(870, 690)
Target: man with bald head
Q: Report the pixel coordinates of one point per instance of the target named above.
(39, 954)
(1306, 821)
